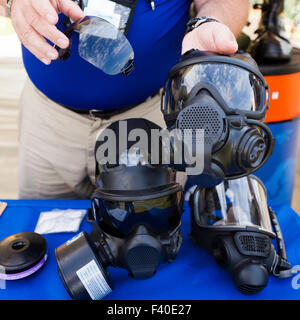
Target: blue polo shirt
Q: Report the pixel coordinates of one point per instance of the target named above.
(156, 38)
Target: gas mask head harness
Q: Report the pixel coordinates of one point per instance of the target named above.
(233, 222)
(137, 211)
(227, 98)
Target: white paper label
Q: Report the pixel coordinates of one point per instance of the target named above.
(93, 280)
(104, 9)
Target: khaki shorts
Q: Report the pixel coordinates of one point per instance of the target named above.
(56, 155)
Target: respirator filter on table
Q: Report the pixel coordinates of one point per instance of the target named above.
(21, 255)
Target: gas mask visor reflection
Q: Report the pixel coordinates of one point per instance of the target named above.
(241, 206)
(225, 98)
(239, 203)
(101, 44)
(233, 222)
(235, 87)
(121, 214)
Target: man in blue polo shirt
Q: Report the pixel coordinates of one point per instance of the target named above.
(57, 134)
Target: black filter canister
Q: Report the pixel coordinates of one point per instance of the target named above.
(21, 255)
(80, 269)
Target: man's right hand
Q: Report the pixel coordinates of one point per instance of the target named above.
(35, 20)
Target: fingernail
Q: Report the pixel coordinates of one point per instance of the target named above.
(62, 43)
(51, 55)
(45, 61)
(51, 18)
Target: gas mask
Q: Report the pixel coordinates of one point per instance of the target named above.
(233, 222)
(137, 211)
(226, 98)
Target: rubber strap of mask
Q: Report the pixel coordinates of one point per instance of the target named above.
(281, 259)
(279, 237)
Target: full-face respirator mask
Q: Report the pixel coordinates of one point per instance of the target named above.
(137, 211)
(233, 222)
(226, 98)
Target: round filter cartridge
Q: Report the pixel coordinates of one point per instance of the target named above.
(21, 255)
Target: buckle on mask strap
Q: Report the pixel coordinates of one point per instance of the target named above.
(287, 273)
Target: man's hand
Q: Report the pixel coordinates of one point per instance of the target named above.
(211, 36)
(35, 20)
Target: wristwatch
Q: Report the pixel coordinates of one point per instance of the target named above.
(8, 6)
(197, 22)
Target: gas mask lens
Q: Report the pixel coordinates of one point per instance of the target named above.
(101, 44)
(135, 224)
(233, 222)
(159, 214)
(239, 88)
(224, 98)
(237, 203)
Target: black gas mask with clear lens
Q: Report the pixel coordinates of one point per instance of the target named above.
(227, 98)
(137, 211)
(233, 222)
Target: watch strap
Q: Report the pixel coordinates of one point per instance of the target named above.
(197, 22)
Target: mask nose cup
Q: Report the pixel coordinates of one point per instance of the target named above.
(81, 272)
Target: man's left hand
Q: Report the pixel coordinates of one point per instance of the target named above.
(211, 36)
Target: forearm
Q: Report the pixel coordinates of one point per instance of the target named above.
(233, 13)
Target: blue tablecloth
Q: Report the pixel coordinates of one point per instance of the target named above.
(193, 275)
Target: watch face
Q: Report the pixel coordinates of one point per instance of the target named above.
(199, 21)
(194, 23)
(195, 20)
